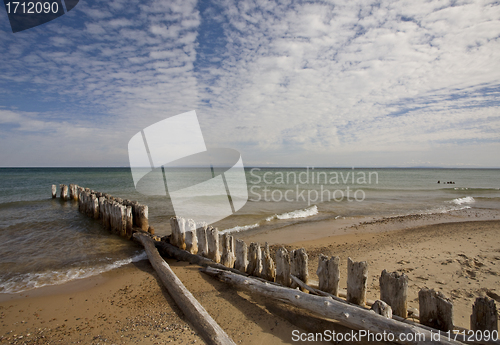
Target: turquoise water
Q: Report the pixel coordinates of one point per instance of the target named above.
(46, 241)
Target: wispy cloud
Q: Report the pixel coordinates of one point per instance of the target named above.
(285, 82)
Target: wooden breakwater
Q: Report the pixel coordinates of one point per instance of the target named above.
(290, 269)
(119, 216)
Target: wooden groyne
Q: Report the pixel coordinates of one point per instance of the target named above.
(286, 276)
(119, 216)
(290, 270)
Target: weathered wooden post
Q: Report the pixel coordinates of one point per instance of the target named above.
(435, 310)
(357, 279)
(322, 273)
(228, 258)
(123, 220)
(213, 244)
(95, 206)
(142, 217)
(191, 239)
(80, 201)
(484, 315)
(64, 192)
(100, 201)
(181, 235)
(394, 291)
(298, 266)
(254, 260)
(130, 222)
(174, 226)
(201, 234)
(382, 308)
(334, 273)
(106, 218)
(79, 190)
(268, 267)
(283, 267)
(241, 252)
(54, 191)
(73, 192)
(115, 225)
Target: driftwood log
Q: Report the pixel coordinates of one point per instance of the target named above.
(348, 315)
(464, 337)
(209, 330)
(169, 250)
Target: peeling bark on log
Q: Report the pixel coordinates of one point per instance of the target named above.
(194, 311)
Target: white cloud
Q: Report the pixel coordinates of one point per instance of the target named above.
(291, 82)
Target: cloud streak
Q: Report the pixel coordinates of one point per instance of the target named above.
(285, 82)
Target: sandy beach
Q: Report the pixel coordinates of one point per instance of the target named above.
(129, 305)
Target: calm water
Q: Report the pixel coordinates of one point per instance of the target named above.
(45, 241)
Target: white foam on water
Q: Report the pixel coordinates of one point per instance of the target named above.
(239, 228)
(31, 281)
(464, 200)
(308, 212)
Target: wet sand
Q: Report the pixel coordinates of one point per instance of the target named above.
(129, 305)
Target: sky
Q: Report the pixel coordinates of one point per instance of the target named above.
(341, 83)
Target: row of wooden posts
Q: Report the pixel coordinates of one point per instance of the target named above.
(117, 215)
(435, 310)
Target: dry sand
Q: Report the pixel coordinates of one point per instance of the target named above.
(129, 305)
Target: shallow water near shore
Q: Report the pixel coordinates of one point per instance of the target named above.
(44, 241)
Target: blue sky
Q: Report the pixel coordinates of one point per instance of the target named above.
(287, 83)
